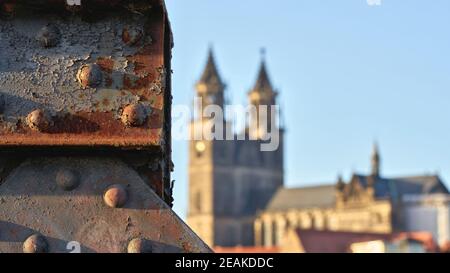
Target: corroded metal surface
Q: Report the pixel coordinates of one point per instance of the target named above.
(83, 67)
(85, 153)
(41, 206)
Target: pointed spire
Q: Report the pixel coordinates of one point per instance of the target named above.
(211, 74)
(340, 185)
(375, 151)
(210, 87)
(263, 82)
(375, 160)
(262, 94)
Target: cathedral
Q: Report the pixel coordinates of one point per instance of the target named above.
(237, 195)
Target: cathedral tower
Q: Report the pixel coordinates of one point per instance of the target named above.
(210, 90)
(230, 180)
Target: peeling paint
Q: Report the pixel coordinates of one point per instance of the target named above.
(33, 76)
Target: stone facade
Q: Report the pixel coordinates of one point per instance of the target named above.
(372, 217)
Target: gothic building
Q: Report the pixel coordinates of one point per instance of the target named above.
(236, 192)
(367, 203)
(230, 181)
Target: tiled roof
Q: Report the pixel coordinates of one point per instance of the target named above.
(320, 241)
(400, 186)
(385, 188)
(317, 241)
(307, 197)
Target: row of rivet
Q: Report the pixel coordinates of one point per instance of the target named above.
(89, 75)
(50, 35)
(37, 243)
(115, 196)
(132, 115)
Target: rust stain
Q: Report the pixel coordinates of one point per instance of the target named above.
(90, 129)
(95, 127)
(106, 63)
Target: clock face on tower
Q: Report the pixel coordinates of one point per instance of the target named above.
(200, 147)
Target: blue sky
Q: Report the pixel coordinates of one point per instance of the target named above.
(348, 74)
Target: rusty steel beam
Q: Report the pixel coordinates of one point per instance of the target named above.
(91, 76)
(98, 203)
(85, 118)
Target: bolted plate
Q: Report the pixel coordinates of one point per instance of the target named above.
(81, 67)
(62, 201)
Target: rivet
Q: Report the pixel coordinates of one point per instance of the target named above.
(115, 196)
(134, 115)
(48, 36)
(35, 244)
(38, 120)
(139, 245)
(67, 179)
(90, 75)
(131, 35)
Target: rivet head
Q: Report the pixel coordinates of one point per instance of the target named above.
(48, 36)
(115, 196)
(131, 35)
(139, 245)
(67, 179)
(134, 115)
(35, 244)
(90, 75)
(38, 120)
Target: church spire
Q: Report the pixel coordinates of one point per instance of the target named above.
(262, 95)
(263, 84)
(340, 185)
(262, 92)
(375, 160)
(210, 75)
(210, 88)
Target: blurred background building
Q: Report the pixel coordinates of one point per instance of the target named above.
(237, 196)
(428, 212)
(348, 73)
(366, 204)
